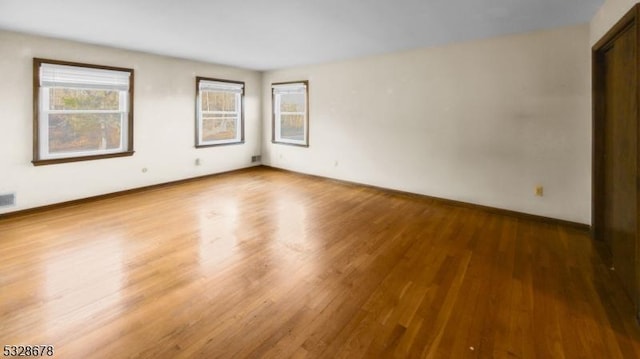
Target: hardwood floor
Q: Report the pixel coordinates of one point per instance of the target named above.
(265, 263)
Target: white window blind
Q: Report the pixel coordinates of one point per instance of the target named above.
(53, 75)
(289, 88)
(206, 85)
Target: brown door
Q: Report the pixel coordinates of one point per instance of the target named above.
(618, 135)
(620, 130)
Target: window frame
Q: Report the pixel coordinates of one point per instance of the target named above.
(275, 111)
(127, 142)
(199, 142)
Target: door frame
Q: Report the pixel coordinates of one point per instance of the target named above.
(598, 118)
(597, 156)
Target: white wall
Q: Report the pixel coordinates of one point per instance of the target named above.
(163, 124)
(481, 122)
(607, 16)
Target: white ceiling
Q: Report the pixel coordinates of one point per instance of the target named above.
(263, 35)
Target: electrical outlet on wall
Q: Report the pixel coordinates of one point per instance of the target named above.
(539, 191)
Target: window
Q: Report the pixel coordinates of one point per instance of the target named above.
(81, 112)
(291, 113)
(220, 119)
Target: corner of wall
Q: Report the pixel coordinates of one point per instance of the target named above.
(608, 14)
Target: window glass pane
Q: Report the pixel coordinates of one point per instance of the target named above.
(218, 101)
(84, 132)
(83, 99)
(219, 112)
(292, 127)
(292, 102)
(219, 127)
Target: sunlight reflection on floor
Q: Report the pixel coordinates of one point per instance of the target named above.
(80, 285)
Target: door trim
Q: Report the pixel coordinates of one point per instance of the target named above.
(597, 155)
(598, 127)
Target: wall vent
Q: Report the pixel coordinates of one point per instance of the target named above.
(7, 200)
(257, 158)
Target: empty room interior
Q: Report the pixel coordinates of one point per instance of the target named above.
(320, 179)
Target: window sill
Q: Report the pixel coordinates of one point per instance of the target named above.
(289, 144)
(220, 144)
(54, 161)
